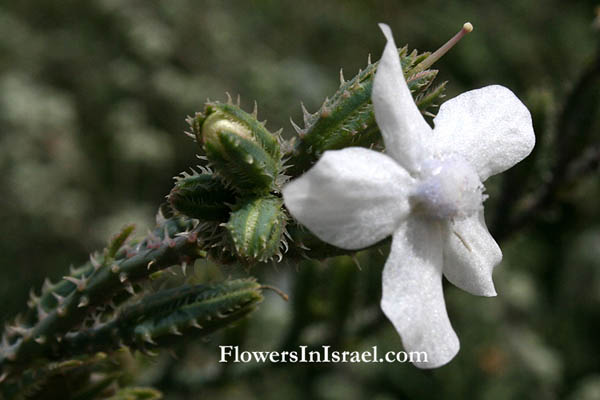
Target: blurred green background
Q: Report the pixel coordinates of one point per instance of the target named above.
(93, 97)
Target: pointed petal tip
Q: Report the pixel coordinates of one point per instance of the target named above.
(490, 290)
(483, 289)
(386, 30)
(401, 124)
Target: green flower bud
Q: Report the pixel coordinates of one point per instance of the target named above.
(239, 147)
(256, 229)
(201, 196)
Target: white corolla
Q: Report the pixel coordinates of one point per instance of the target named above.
(426, 192)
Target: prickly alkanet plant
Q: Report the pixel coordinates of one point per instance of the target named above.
(227, 209)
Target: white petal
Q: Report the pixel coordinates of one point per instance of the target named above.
(412, 292)
(351, 198)
(490, 127)
(470, 255)
(400, 121)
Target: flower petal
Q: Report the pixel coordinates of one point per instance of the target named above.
(412, 292)
(400, 121)
(490, 127)
(351, 198)
(470, 255)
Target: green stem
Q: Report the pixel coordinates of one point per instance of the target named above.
(89, 289)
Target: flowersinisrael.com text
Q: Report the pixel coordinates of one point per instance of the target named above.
(322, 355)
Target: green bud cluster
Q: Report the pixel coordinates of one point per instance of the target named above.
(241, 197)
(230, 208)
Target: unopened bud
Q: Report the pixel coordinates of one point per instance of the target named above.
(256, 229)
(242, 151)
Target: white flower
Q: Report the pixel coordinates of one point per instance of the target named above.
(427, 192)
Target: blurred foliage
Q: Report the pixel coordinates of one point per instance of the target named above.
(93, 99)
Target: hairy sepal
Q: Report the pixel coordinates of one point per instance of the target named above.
(256, 229)
(202, 196)
(239, 147)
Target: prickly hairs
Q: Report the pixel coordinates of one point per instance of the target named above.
(231, 209)
(239, 147)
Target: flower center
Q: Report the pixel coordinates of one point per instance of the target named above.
(449, 188)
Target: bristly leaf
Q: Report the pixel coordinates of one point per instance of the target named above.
(202, 196)
(38, 381)
(160, 318)
(347, 118)
(119, 240)
(66, 305)
(429, 100)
